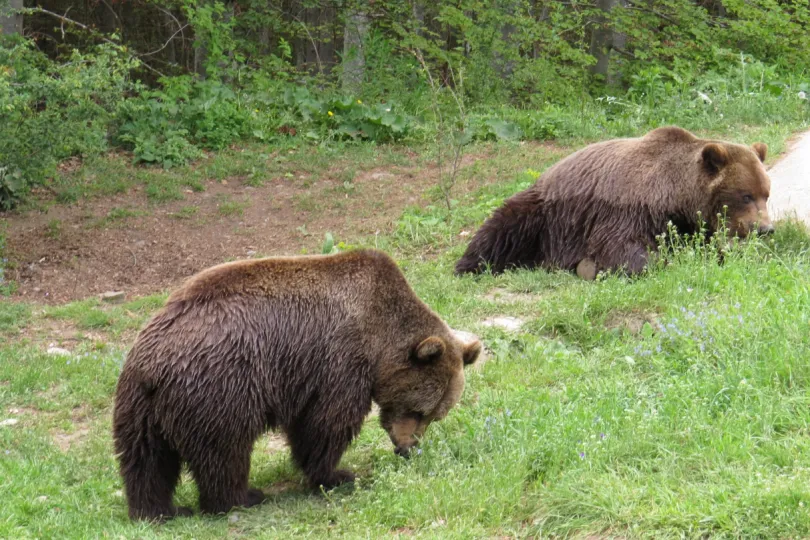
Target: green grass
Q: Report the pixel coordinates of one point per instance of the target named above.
(229, 208)
(696, 425)
(187, 212)
(671, 405)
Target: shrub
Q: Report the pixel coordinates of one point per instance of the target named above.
(50, 111)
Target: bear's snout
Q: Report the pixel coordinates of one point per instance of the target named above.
(404, 450)
(765, 230)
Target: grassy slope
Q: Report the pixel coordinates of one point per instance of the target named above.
(576, 424)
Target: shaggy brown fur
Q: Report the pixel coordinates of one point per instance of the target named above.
(604, 205)
(302, 344)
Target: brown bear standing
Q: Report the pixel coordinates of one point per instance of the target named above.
(303, 344)
(602, 207)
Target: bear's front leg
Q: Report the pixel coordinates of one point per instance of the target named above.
(222, 479)
(630, 258)
(317, 451)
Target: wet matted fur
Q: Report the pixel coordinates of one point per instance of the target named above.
(604, 205)
(302, 344)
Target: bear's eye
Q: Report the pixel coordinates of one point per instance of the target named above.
(748, 199)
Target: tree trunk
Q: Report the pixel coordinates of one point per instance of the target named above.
(602, 40)
(418, 13)
(618, 43)
(169, 28)
(354, 58)
(201, 50)
(503, 64)
(11, 23)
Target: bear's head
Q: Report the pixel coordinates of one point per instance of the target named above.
(738, 186)
(416, 390)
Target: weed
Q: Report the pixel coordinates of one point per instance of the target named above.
(53, 229)
(187, 212)
(229, 208)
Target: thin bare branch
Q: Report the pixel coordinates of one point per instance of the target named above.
(165, 44)
(109, 7)
(65, 19)
(311, 39)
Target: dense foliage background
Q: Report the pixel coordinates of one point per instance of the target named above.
(168, 80)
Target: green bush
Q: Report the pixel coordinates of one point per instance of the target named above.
(169, 126)
(346, 117)
(50, 111)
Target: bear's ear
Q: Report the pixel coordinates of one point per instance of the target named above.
(471, 352)
(715, 157)
(430, 350)
(761, 150)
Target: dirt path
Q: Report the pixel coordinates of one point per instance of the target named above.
(124, 242)
(790, 182)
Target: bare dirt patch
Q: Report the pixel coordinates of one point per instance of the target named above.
(509, 324)
(631, 322)
(275, 442)
(503, 296)
(67, 253)
(81, 429)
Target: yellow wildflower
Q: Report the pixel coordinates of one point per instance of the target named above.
(360, 102)
(330, 113)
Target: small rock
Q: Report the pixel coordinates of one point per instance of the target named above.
(233, 518)
(381, 175)
(37, 289)
(42, 498)
(113, 297)
(251, 253)
(9, 422)
(140, 243)
(465, 337)
(510, 324)
(464, 233)
(118, 493)
(58, 350)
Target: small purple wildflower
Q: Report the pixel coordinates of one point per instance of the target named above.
(658, 349)
(702, 347)
(739, 318)
(418, 451)
(602, 436)
(582, 455)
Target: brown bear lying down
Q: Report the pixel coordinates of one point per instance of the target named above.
(301, 343)
(602, 207)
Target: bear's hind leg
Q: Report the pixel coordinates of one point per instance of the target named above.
(222, 480)
(631, 259)
(150, 476)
